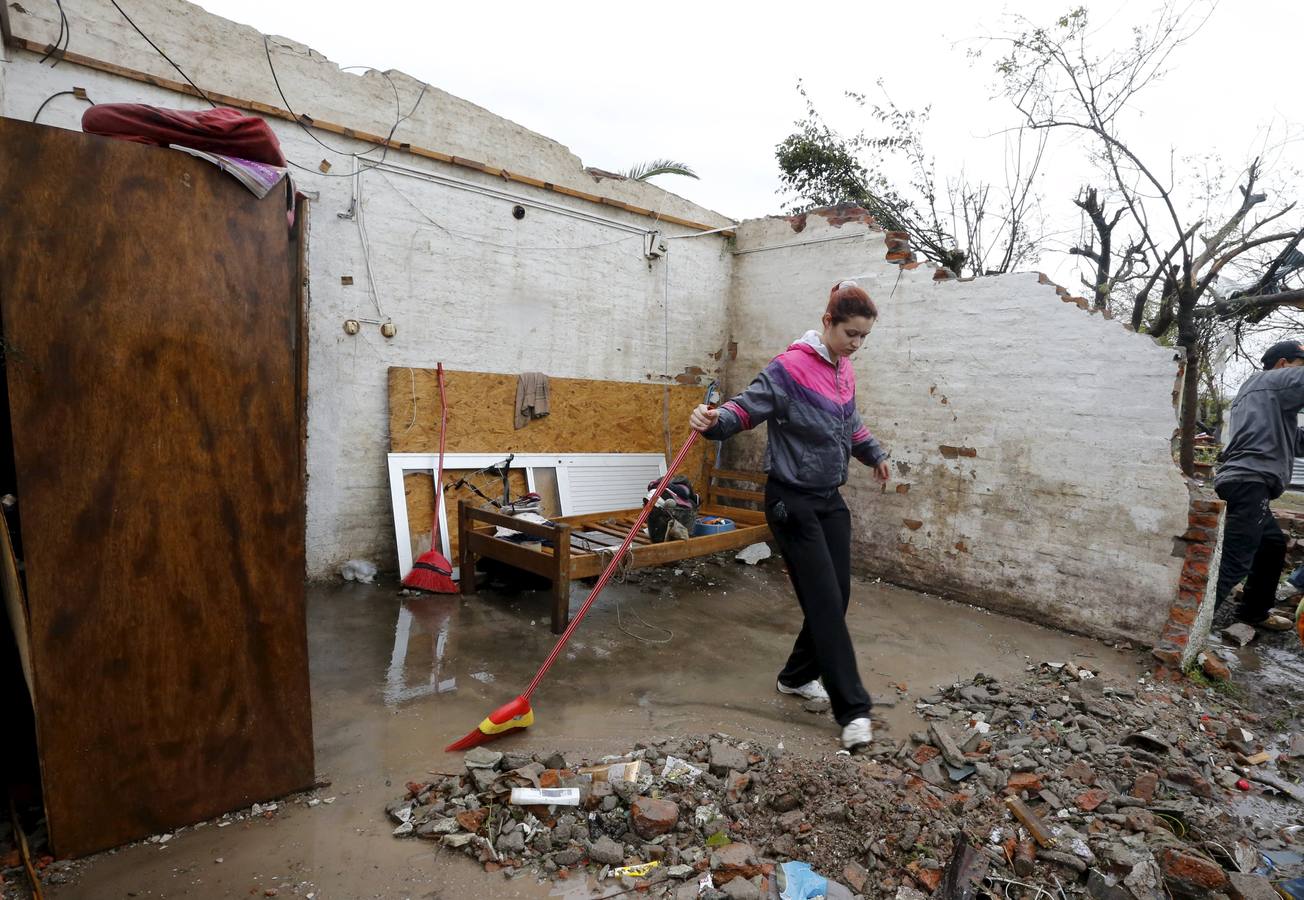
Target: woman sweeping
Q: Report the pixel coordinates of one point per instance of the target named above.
(808, 396)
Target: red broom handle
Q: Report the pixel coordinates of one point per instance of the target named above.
(439, 471)
(611, 566)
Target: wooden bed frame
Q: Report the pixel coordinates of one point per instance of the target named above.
(565, 561)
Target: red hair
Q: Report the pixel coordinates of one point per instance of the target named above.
(848, 300)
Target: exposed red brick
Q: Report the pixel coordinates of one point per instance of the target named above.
(1144, 787)
(1167, 654)
(1215, 668)
(798, 223)
(928, 879)
(1023, 781)
(472, 820)
(1213, 506)
(1190, 874)
(903, 488)
(1089, 800)
(1080, 772)
(1181, 615)
(912, 524)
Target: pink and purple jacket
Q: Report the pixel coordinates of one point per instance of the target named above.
(809, 401)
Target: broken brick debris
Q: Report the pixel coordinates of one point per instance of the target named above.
(1066, 781)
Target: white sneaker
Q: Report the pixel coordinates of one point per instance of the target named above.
(857, 734)
(811, 690)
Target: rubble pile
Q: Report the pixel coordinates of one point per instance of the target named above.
(1065, 782)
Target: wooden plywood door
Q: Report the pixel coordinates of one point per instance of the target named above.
(152, 321)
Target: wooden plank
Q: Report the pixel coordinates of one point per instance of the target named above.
(465, 558)
(15, 602)
(528, 558)
(669, 551)
(276, 112)
(621, 533)
(152, 358)
(502, 520)
(738, 475)
(579, 546)
(737, 494)
(672, 551)
(739, 515)
(561, 581)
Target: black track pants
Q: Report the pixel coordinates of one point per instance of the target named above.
(814, 535)
(1253, 545)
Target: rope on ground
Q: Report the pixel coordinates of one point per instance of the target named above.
(623, 568)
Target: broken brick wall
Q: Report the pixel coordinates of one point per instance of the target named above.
(561, 290)
(1191, 614)
(1031, 469)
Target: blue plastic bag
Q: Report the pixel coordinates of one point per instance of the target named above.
(1293, 888)
(802, 883)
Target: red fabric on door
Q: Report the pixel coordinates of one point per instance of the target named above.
(222, 130)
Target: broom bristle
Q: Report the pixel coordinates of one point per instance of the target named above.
(431, 573)
(474, 739)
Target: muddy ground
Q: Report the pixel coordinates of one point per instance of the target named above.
(395, 679)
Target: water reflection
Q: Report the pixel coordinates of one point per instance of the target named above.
(415, 666)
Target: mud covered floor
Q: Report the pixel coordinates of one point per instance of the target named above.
(396, 678)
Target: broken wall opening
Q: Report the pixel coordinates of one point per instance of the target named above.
(1031, 469)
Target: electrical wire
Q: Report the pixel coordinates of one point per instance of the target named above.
(487, 191)
(161, 53)
(384, 148)
(60, 45)
(366, 249)
(480, 240)
(44, 103)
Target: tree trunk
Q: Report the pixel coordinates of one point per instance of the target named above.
(1102, 270)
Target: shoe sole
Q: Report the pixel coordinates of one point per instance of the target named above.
(793, 692)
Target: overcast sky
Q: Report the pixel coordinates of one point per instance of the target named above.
(713, 85)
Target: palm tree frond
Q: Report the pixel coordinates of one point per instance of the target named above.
(645, 170)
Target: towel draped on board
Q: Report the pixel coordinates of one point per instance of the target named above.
(531, 397)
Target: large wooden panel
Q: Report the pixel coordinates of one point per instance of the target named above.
(152, 324)
(588, 416)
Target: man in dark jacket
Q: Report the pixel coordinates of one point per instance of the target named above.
(1255, 468)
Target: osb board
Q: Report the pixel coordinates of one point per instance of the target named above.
(587, 416)
(418, 489)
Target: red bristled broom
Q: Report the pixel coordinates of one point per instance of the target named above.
(517, 713)
(432, 572)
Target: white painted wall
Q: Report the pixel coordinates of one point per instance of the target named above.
(1068, 511)
(465, 282)
(1065, 514)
